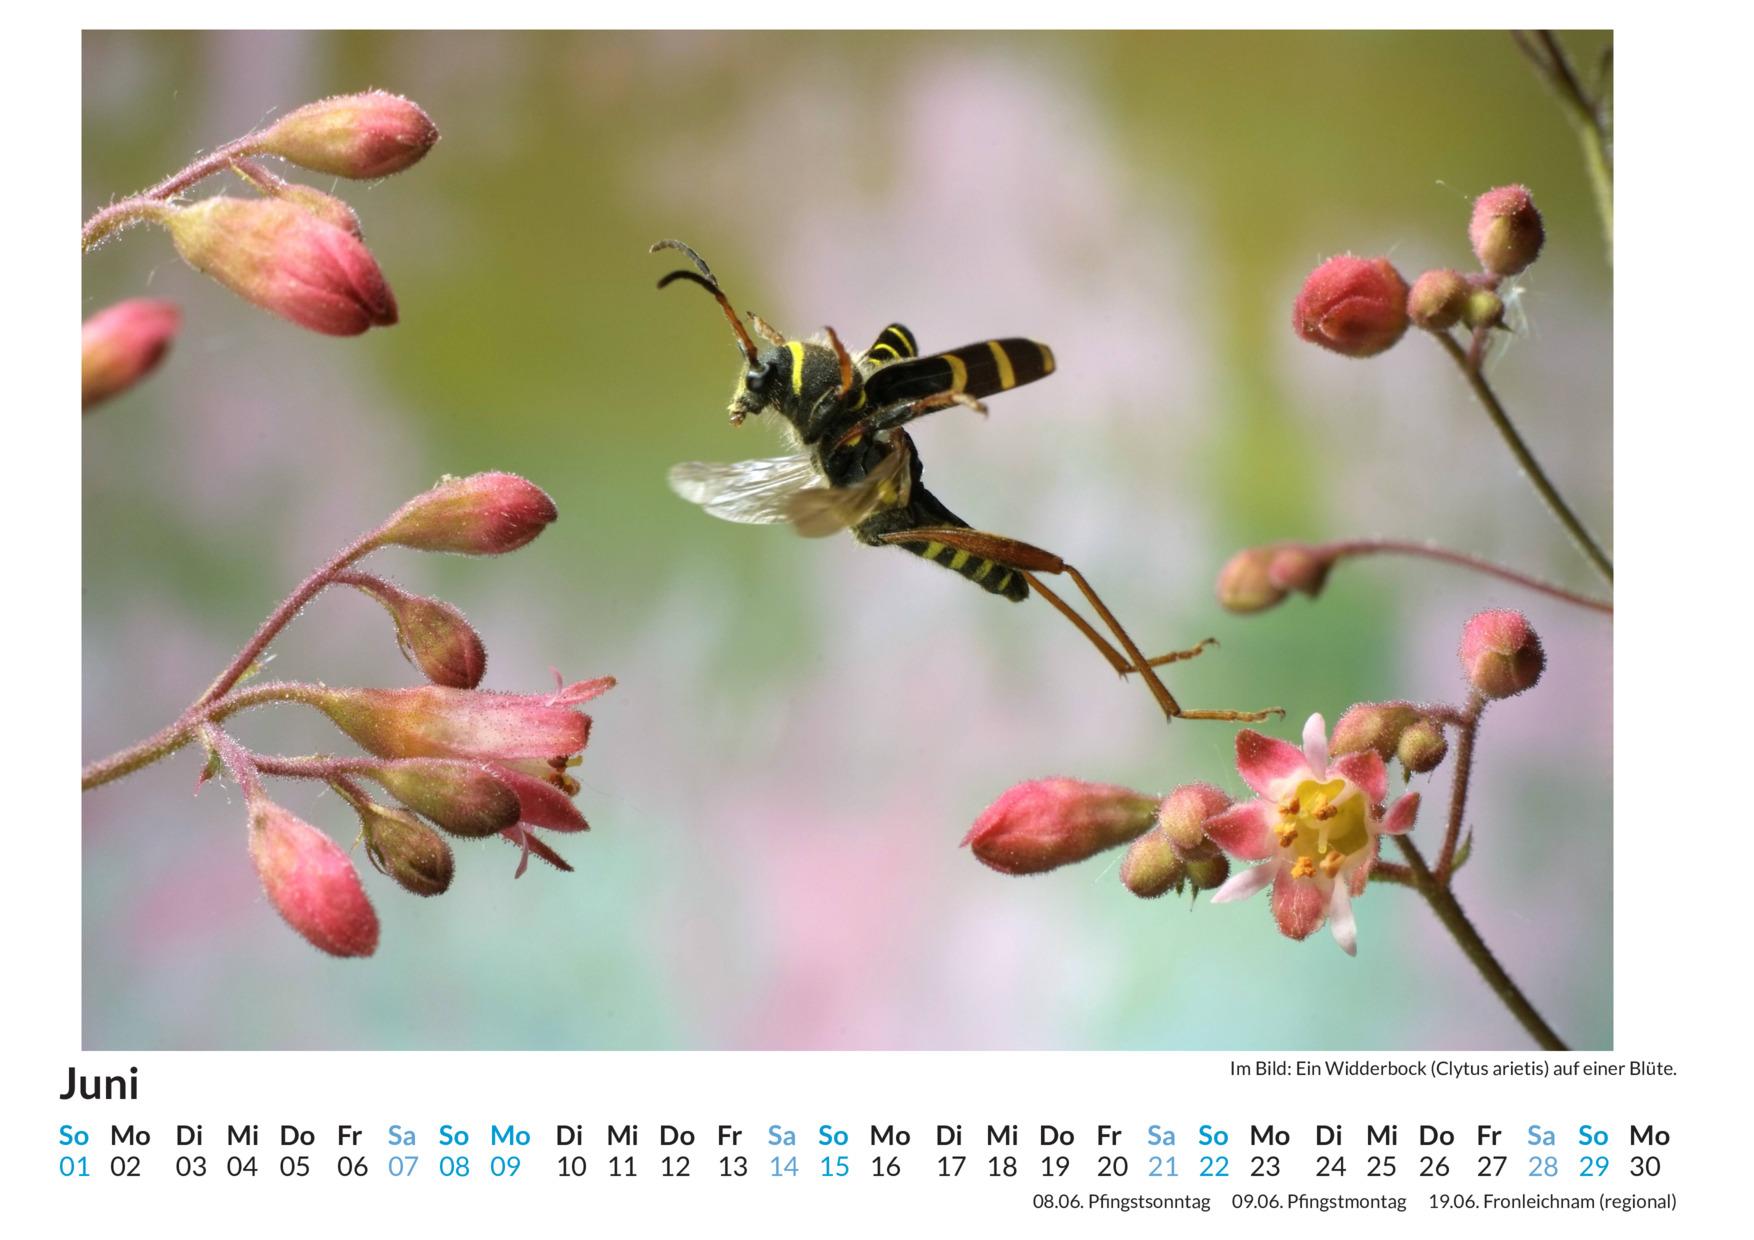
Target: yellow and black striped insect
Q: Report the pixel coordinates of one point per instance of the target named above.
(854, 468)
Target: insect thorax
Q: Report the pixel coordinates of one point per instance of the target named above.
(800, 381)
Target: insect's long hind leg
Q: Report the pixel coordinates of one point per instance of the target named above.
(1122, 665)
(1030, 560)
(1146, 667)
(1115, 658)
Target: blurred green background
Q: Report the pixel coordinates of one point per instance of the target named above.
(804, 730)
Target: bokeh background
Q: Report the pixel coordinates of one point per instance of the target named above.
(804, 730)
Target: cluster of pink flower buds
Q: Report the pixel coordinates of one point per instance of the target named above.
(1044, 824)
(1362, 306)
(1316, 820)
(1501, 656)
(1257, 578)
(295, 250)
(449, 756)
(1314, 826)
(1394, 730)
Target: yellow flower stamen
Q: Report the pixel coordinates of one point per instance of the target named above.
(1321, 825)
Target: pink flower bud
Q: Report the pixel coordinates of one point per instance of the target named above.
(358, 136)
(1257, 578)
(1046, 823)
(120, 345)
(1506, 230)
(407, 850)
(462, 797)
(1373, 725)
(278, 255)
(483, 514)
(1299, 568)
(1183, 814)
(1437, 299)
(1422, 747)
(436, 722)
(1152, 867)
(1501, 654)
(1355, 306)
(311, 881)
(1245, 584)
(433, 635)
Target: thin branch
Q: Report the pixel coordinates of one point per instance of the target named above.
(1469, 731)
(1588, 117)
(1431, 551)
(282, 615)
(173, 736)
(128, 210)
(237, 759)
(1449, 912)
(1520, 449)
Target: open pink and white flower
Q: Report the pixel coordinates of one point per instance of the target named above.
(1314, 826)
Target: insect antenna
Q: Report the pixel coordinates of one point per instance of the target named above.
(703, 276)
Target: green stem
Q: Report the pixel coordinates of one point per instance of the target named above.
(1595, 156)
(1520, 449)
(1449, 912)
(1586, 116)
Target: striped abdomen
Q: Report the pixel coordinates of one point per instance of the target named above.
(923, 512)
(982, 369)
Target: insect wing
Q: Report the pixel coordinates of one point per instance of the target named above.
(975, 369)
(819, 511)
(751, 492)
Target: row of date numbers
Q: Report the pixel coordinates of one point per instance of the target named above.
(950, 1166)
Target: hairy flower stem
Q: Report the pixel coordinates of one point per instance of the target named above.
(1430, 551)
(239, 761)
(172, 737)
(1449, 912)
(1531, 468)
(281, 616)
(1468, 728)
(210, 706)
(136, 207)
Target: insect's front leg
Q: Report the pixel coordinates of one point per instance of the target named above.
(1030, 560)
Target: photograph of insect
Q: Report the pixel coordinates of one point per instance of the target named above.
(852, 467)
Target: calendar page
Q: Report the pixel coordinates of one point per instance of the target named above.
(863, 621)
